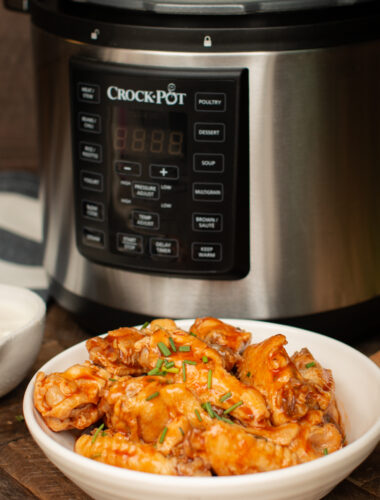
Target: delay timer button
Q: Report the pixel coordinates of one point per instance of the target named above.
(210, 101)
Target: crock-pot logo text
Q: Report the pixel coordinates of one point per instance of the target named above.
(168, 97)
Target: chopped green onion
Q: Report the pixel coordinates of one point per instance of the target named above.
(310, 365)
(226, 396)
(104, 433)
(144, 325)
(205, 359)
(163, 434)
(96, 455)
(181, 431)
(168, 364)
(154, 395)
(248, 374)
(184, 348)
(189, 362)
(98, 430)
(193, 334)
(164, 349)
(209, 409)
(198, 415)
(172, 370)
(209, 379)
(171, 342)
(112, 379)
(325, 451)
(183, 371)
(155, 371)
(159, 363)
(227, 420)
(233, 407)
(19, 418)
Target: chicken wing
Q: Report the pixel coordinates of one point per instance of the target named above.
(69, 400)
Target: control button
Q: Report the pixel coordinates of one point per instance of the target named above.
(91, 181)
(128, 168)
(207, 222)
(163, 171)
(92, 210)
(145, 220)
(89, 151)
(209, 132)
(210, 101)
(161, 247)
(90, 123)
(129, 243)
(145, 190)
(207, 191)
(88, 92)
(93, 237)
(213, 163)
(206, 252)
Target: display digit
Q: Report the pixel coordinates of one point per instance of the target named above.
(138, 140)
(157, 141)
(175, 143)
(120, 138)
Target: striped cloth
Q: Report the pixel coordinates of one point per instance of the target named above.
(21, 232)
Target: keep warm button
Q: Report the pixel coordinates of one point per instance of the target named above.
(206, 252)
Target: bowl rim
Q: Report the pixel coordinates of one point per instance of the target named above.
(369, 438)
(37, 315)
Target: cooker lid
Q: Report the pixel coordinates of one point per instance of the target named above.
(220, 7)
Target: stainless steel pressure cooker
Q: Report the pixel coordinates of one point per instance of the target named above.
(209, 158)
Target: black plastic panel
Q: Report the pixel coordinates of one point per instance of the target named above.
(161, 168)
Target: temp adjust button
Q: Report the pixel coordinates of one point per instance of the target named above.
(210, 101)
(88, 92)
(207, 222)
(162, 247)
(145, 220)
(206, 252)
(207, 191)
(145, 190)
(129, 243)
(209, 132)
(90, 151)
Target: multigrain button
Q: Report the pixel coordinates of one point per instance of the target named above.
(207, 222)
(206, 252)
(145, 220)
(213, 163)
(91, 181)
(90, 123)
(129, 243)
(145, 190)
(209, 132)
(88, 92)
(163, 247)
(210, 101)
(93, 237)
(90, 151)
(207, 191)
(92, 210)
(128, 168)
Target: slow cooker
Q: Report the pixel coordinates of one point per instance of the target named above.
(209, 158)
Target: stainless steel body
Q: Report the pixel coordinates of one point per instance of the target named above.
(314, 184)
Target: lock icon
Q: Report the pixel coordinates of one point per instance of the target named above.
(207, 42)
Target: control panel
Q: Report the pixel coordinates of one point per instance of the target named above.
(160, 160)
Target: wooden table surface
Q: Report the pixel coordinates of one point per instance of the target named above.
(25, 473)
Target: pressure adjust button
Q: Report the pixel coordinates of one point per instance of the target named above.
(88, 92)
(89, 123)
(209, 132)
(207, 191)
(207, 222)
(129, 243)
(145, 190)
(93, 238)
(210, 101)
(89, 151)
(92, 210)
(206, 252)
(145, 220)
(161, 247)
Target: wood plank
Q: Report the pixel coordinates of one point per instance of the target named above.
(10, 489)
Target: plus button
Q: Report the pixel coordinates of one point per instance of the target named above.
(163, 172)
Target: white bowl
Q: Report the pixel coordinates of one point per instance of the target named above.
(22, 318)
(357, 389)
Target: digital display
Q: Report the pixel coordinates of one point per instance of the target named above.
(148, 133)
